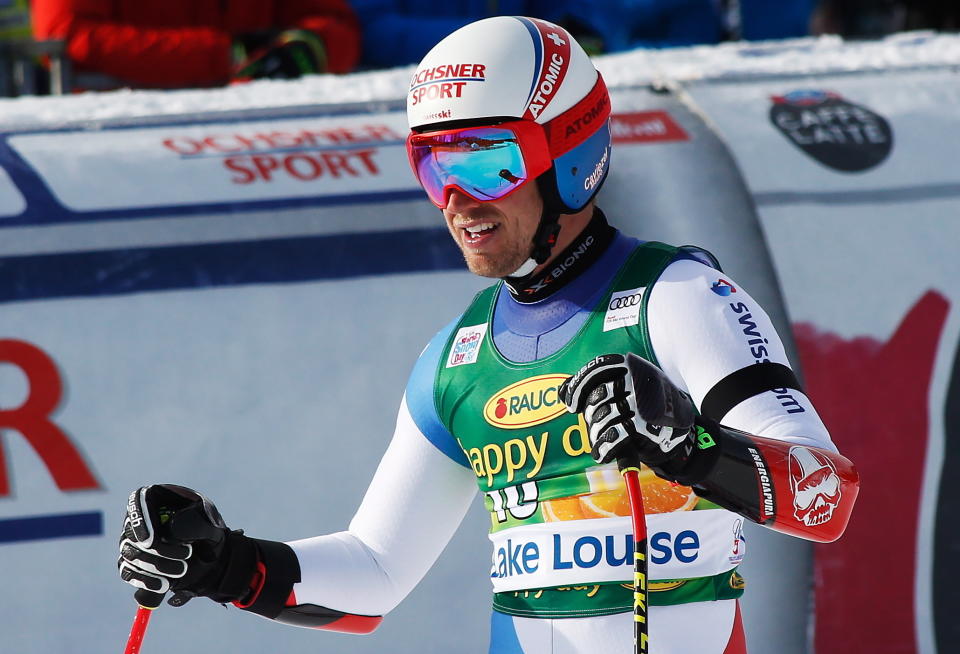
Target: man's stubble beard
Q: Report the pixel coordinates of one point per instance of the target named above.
(509, 256)
(500, 265)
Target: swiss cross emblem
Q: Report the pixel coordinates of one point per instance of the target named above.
(557, 41)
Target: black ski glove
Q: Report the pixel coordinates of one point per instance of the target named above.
(630, 406)
(174, 539)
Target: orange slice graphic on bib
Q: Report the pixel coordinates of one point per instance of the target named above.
(662, 496)
(608, 504)
(567, 508)
(608, 498)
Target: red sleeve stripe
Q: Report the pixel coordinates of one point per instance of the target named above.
(353, 624)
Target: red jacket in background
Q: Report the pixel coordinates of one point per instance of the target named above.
(182, 43)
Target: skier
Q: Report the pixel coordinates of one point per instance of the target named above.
(592, 345)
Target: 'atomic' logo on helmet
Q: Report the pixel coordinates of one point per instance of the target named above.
(548, 85)
(552, 47)
(596, 111)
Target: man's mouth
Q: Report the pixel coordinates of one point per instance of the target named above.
(476, 234)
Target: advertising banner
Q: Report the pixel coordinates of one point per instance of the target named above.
(238, 162)
(855, 182)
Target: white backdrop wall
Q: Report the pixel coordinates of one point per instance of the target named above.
(232, 301)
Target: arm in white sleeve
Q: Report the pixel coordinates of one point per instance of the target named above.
(703, 330)
(764, 453)
(419, 494)
(414, 504)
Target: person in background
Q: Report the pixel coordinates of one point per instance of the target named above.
(870, 19)
(400, 32)
(197, 43)
(14, 20)
(20, 72)
(617, 25)
(760, 20)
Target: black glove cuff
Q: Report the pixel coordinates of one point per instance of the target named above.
(282, 571)
(240, 554)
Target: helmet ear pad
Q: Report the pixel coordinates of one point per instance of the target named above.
(576, 176)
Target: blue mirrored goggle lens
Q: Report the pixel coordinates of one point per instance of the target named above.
(485, 163)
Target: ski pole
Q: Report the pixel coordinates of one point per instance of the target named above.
(146, 602)
(630, 469)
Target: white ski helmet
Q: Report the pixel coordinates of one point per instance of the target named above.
(511, 68)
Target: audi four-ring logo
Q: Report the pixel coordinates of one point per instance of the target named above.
(624, 302)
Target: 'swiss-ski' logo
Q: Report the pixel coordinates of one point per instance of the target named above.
(836, 132)
(526, 403)
(723, 288)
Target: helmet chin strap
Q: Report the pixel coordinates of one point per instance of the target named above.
(543, 241)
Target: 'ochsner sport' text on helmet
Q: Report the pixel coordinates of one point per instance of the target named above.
(517, 67)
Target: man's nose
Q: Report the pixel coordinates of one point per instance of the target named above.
(458, 201)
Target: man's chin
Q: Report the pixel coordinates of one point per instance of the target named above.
(484, 270)
(487, 267)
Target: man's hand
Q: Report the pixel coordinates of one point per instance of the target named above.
(630, 405)
(173, 538)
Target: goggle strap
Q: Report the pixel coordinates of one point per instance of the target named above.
(569, 129)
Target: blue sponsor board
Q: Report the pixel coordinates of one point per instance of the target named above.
(46, 527)
(303, 258)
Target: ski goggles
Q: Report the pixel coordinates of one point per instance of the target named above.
(486, 163)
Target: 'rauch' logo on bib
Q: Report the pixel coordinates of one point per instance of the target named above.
(525, 403)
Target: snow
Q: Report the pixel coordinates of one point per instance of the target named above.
(809, 56)
(699, 64)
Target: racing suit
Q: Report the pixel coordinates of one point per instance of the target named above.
(481, 410)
